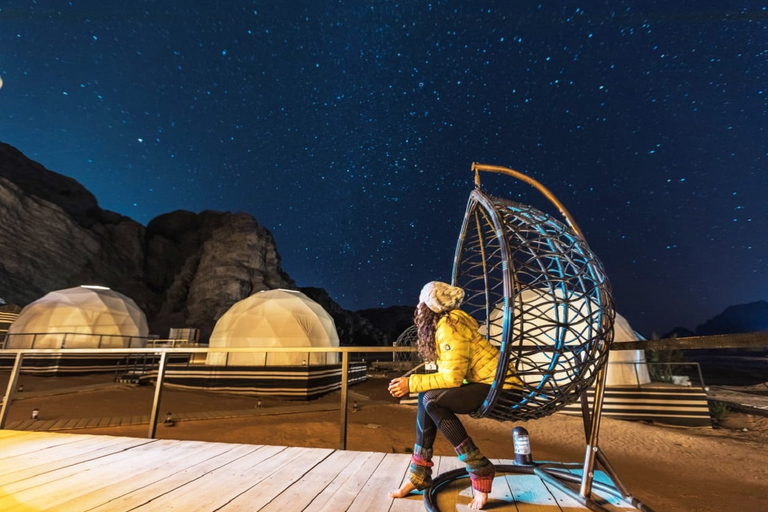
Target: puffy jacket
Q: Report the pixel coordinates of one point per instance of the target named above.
(462, 354)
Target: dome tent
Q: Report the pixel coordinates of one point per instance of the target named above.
(274, 318)
(80, 317)
(626, 367)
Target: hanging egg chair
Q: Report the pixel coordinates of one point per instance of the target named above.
(542, 297)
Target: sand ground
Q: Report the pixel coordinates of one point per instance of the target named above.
(670, 469)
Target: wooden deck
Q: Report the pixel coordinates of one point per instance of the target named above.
(69, 472)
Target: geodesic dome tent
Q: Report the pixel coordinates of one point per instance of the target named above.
(274, 318)
(80, 317)
(626, 367)
(408, 338)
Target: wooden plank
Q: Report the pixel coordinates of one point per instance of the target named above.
(450, 496)
(28, 467)
(216, 488)
(610, 501)
(105, 474)
(341, 492)
(91, 475)
(162, 484)
(22, 425)
(372, 498)
(564, 501)
(21, 443)
(29, 457)
(186, 456)
(530, 493)
(501, 491)
(311, 484)
(70, 423)
(42, 489)
(414, 502)
(273, 484)
(457, 495)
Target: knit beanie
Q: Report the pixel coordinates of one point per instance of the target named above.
(439, 296)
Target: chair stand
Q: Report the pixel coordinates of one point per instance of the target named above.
(561, 474)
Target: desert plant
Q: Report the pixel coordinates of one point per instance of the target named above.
(717, 410)
(661, 365)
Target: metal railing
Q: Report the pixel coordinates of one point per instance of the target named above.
(636, 366)
(163, 354)
(759, 339)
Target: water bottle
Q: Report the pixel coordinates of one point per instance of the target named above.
(522, 447)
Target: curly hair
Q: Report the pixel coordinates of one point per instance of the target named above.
(426, 324)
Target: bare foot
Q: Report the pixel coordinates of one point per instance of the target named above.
(405, 490)
(479, 501)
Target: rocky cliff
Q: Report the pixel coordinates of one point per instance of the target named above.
(53, 234)
(183, 269)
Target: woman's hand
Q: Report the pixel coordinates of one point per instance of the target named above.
(399, 387)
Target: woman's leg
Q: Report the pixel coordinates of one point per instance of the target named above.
(420, 469)
(437, 410)
(442, 407)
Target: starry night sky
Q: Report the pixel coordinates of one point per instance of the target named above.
(348, 129)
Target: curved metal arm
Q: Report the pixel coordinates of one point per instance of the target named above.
(476, 167)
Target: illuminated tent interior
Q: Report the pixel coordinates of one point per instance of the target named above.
(274, 318)
(80, 317)
(626, 367)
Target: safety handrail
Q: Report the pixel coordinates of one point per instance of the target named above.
(19, 354)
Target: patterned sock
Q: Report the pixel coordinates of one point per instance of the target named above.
(480, 469)
(420, 470)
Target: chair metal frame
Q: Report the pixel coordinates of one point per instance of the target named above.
(542, 296)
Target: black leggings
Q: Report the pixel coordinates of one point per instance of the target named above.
(438, 409)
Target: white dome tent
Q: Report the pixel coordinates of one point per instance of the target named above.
(80, 317)
(626, 367)
(274, 318)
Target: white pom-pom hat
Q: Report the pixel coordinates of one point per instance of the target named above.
(439, 296)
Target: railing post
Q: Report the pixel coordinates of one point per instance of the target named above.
(344, 392)
(701, 377)
(158, 393)
(11, 390)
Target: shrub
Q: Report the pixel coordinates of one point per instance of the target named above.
(717, 410)
(663, 370)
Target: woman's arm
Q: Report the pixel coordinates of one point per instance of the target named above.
(453, 353)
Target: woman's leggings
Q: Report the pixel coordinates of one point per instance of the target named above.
(438, 408)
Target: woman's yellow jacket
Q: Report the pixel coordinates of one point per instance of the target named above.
(463, 354)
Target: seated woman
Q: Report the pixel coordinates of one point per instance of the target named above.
(466, 366)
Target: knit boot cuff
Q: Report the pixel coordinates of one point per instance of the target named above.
(482, 483)
(422, 453)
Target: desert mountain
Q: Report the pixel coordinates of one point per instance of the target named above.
(183, 269)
